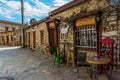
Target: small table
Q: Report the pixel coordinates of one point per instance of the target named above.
(94, 61)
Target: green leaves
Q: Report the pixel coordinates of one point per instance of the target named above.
(32, 21)
(71, 20)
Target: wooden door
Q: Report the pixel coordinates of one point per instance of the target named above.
(29, 39)
(12, 38)
(34, 39)
(42, 37)
(20, 39)
(3, 40)
(53, 38)
(7, 40)
(54, 35)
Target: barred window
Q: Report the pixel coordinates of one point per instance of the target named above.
(6, 29)
(86, 37)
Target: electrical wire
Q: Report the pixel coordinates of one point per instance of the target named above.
(4, 3)
(11, 12)
(42, 5)
(34, 14)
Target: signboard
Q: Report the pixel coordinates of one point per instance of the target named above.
(85, 21)
(51, 24)
(65, 30)
(110, 33)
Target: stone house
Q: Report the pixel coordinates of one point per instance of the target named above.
(10, 33)
(82, 24)
(37, 35)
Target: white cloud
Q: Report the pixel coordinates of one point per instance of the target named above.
(37, 2)
(36, 9)
(3, 1)
(59, 2)
(8, 10)
(13, 5)
(9, 17)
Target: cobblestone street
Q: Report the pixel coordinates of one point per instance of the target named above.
(25, 64)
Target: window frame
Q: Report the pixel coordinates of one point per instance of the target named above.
(84, 34)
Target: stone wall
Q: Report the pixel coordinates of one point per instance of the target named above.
(3, 40)
(41, 26)
(15, 34)
(111, 26)
(89, 6)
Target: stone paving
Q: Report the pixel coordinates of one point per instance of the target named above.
(25, 64)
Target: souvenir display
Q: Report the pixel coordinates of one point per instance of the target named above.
(106, 50)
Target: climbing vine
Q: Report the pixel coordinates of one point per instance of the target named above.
(75, 15)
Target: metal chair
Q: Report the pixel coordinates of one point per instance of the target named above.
(57, 56)
(81, 62)
(81, 59)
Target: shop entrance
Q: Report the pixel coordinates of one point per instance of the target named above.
(53, 30)
(53, 37)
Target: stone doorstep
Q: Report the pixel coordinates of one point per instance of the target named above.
(6, 78)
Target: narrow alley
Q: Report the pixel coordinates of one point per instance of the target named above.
(24, 64)
(59, 39)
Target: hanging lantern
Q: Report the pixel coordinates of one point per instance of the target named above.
(57, 21)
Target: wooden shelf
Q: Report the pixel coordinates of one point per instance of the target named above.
(104, 45)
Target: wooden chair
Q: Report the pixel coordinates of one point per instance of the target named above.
(71, 58)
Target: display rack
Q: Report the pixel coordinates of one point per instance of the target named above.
(106, 50)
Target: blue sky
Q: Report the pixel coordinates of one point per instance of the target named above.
(38, 9)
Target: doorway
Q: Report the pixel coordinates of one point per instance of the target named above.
(42, 37)
(53, 38)
(28, 39)
(34, 39)
(54, 35)
(7, 40)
